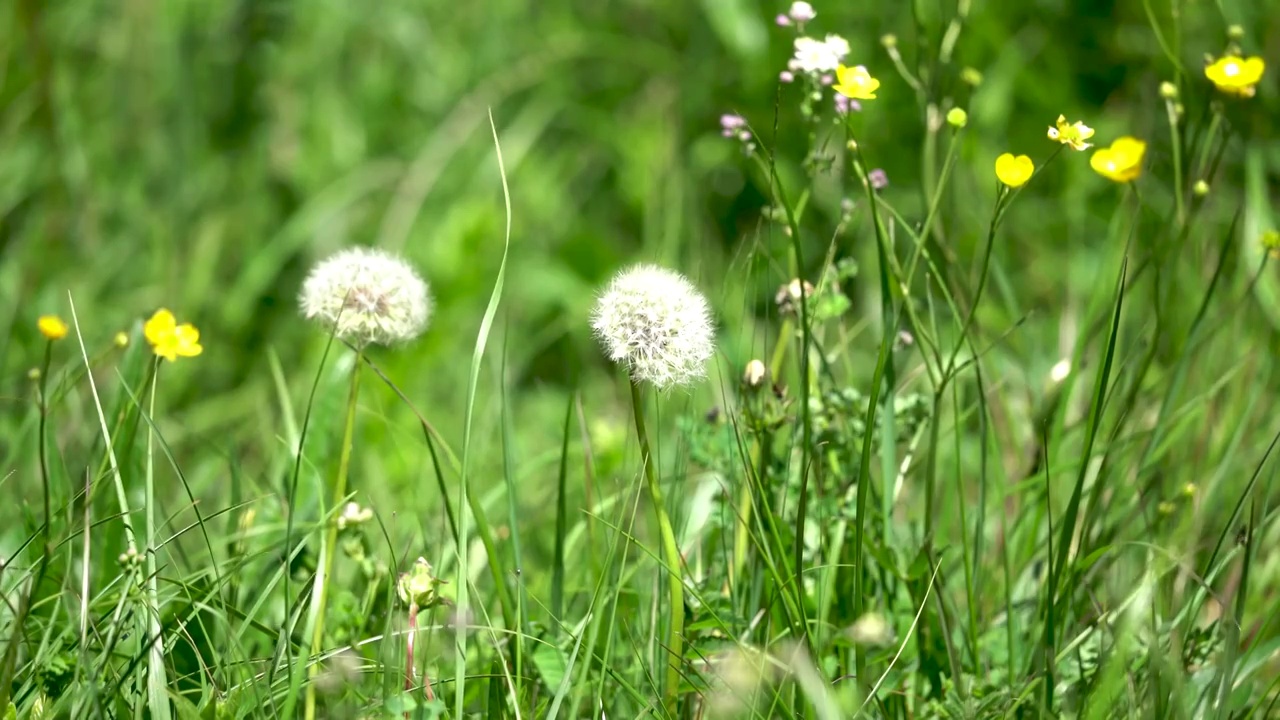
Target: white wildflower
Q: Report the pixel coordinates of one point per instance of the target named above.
(365, 296)
(837, 45)
(801, 12)
(657, 323)
(815, 56)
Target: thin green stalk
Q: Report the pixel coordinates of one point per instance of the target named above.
(742, 528)
(1175, 141)
(320, 590)
(760, 457)
(157, 682)
(20, 619)
(934, 203)
(675, 612)
(885, 358)
(1214, 123)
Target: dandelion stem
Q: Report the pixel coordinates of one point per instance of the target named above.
(321, 588)
(675, 642)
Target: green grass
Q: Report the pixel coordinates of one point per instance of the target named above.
(1014, 456)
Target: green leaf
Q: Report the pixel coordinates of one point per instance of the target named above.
(550, 662)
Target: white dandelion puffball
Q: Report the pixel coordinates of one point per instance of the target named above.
(364, 295)
(657, 323)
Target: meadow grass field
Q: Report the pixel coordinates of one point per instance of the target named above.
(643, 358)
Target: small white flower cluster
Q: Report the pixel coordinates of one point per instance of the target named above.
(815, 56)
(655, 322)
(815, 62)
(364, 296)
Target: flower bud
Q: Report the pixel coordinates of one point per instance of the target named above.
(788, 296)
(971, 76)
(1168, 90)
(419, 586)
(889, 40)
(121, 339)
(1235, 32)
(353, 515)
(1201, 188)
(871, 629)
(755, 374)
(957, 117)
(1270, 242)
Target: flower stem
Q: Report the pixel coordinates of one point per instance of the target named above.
(675, 641)
(742, 533)
(321, 588)
(408, 647)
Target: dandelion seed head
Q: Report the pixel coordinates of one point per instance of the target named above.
(655, 322)
(366, 296)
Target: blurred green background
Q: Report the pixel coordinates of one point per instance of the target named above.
(202, 154)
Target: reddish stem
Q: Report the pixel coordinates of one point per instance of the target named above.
(410, 637)
(408, 646)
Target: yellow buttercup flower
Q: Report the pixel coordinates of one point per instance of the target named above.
(1014, 171)
(856, 83)
(1122, 161)
(170, 340)
(1073, 134)
(1235, 75)
(52, 327)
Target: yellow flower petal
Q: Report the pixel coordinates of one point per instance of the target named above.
(160, 326)
(52, 327)
(1072, 134)
(187, 340)
(1235, 75)
(1122, 162)
(170, 340)
(856, 83)
(1014, 171)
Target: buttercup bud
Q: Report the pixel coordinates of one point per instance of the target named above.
(1270, 242)
(1168, 90)
(957, 118)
